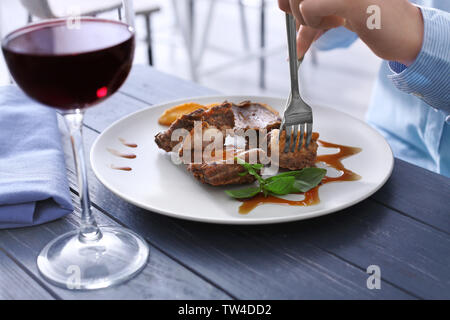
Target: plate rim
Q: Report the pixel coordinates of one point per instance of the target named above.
(234, 221)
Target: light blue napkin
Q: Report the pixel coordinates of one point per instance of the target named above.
(33, 178)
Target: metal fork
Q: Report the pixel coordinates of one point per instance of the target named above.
(298, 114)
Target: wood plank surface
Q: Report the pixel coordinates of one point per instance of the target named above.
(16, 284)
(366, 234)
(236, 263)
(418, 193)
(152, 86)
(161, 279)
(404, 229)
(399, 268)
(224, 270)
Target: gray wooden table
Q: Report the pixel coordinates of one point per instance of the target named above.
(404, 229)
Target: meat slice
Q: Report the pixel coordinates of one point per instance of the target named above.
(219, 174)
(216, 167)
(257, 116)
(221, 117)
(245, 115)
(299, 159)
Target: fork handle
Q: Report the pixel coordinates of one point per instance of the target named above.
(292, 48)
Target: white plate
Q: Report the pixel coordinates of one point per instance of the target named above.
(158, 185)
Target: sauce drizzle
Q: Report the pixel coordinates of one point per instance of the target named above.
(312, 196)
(128, 144)
(122, 155)
(121, 168)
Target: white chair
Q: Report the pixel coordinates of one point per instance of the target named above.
(261, 53)
(50, 9)
(146, 8)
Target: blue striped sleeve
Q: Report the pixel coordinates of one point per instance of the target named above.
(429, 76)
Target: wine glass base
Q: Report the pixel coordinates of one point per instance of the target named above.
(70, 263)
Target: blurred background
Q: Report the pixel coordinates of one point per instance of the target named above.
(232, 46)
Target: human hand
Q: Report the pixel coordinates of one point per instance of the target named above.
(399, 38)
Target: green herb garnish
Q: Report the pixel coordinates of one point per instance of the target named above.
(244, 193)
(279, 185)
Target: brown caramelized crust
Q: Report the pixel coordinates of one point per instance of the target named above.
(220, 116)
(245, 115)
(213, 169)
(299, 159)
(219, 174)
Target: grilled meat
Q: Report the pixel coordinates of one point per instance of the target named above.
(221, 117)
(216, 167)
(245, 115)
(299, 159)
(213, 168)
(219, 174)
(257, 116)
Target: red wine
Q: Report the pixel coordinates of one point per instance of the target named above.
(70, 68)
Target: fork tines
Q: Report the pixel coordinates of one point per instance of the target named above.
(295, 137)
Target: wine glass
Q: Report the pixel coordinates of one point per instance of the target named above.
(70, 64)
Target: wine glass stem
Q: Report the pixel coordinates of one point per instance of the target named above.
(89, 230)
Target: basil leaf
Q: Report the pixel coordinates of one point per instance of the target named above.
(283, 174)
(280, 186)
(308, 178)
(251, 169)
(257, 166)
(244, 193)
(248, 166)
